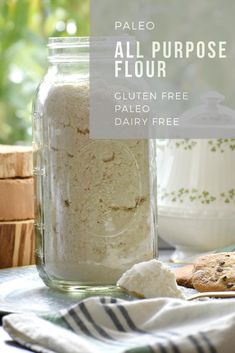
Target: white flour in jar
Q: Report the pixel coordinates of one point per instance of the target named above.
(98, 222)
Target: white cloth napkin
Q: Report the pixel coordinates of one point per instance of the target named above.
(109, 325)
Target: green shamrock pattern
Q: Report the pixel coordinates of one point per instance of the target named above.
(204, 197)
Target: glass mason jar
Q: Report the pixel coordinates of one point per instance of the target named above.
(95, 199)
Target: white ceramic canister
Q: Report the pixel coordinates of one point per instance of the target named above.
(196, 188)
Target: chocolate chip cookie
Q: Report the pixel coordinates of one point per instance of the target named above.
(184, 275)
(215, 272)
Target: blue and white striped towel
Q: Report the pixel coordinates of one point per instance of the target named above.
(109, 325)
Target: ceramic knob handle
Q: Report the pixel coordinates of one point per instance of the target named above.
(213, 98)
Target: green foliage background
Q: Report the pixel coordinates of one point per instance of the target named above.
(25, 26)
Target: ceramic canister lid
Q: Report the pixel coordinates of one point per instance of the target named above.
(210, 113)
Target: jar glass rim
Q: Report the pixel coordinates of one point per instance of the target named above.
(65, 42)
(77, 49)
